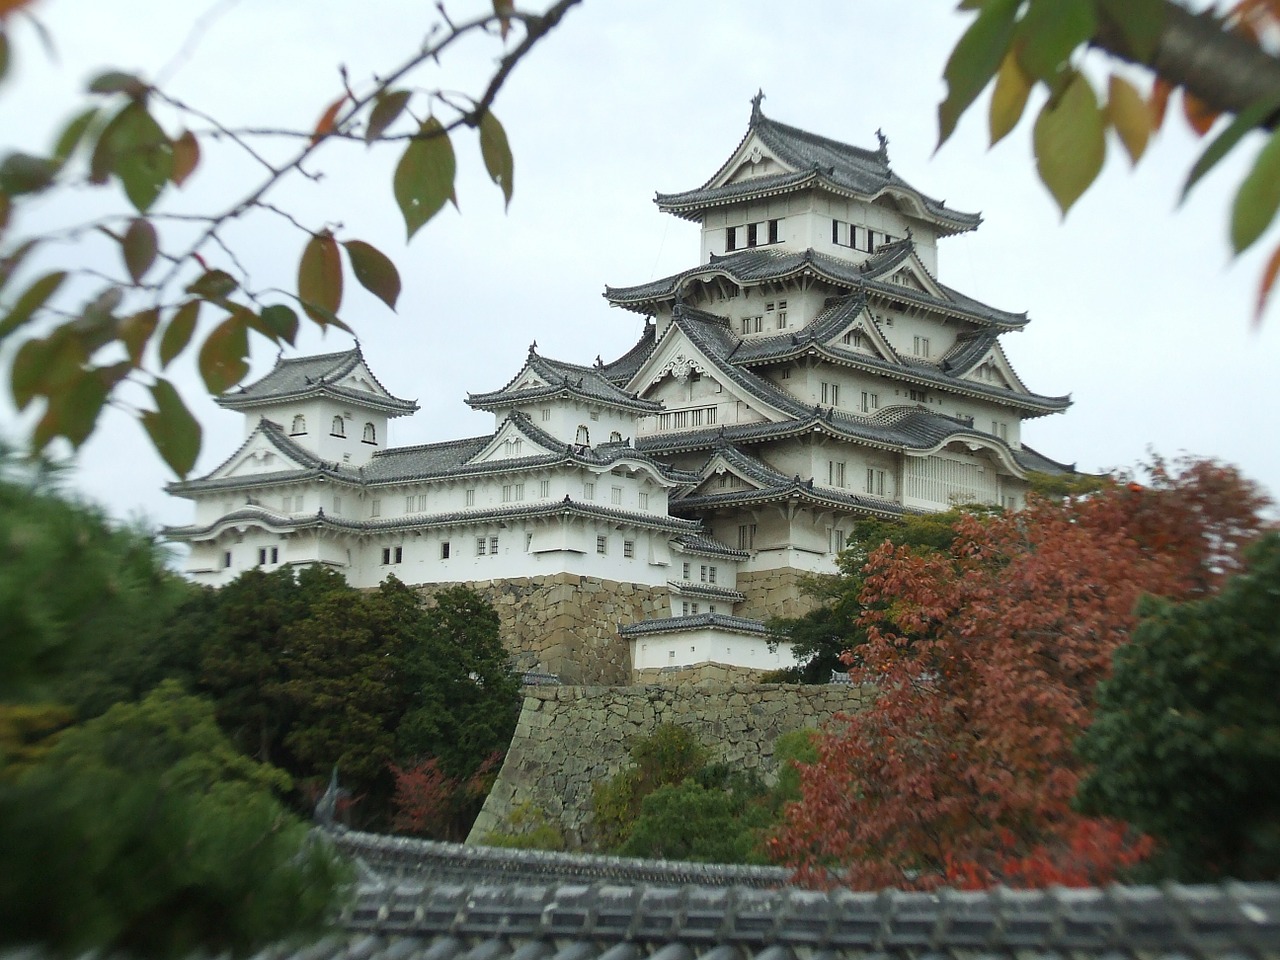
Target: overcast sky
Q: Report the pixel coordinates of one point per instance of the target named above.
(1137, 310)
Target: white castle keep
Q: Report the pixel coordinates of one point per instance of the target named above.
(640, 519)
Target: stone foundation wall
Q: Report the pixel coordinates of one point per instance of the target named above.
(568, 738)
(567, 624)
(773, 593)
(705, 672)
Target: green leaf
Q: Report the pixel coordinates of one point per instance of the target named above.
(1050, 31)
(387, 106)
(1140, 21)
(375, 272)
(222, 356)
(496, 153)
(213, 285)
(281, 321)
(116, 81)
(320, 277)
(32, 299)
(135, 149)
(136, 330)
(139, 248)
(974, 61)
(72, 410)
(424, 176)
(22, 173)
(174, 432)
(178, 333)
(1008, 99)
(1245, 121)
(10, 264)
(28, 371)
(72, 134)
(1258, 196)
(186, 156)
(1070, 141)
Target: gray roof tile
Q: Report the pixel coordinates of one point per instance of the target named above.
(298, 377)
(813, 158)
(563, 379)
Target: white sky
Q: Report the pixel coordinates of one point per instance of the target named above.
(1137, 311)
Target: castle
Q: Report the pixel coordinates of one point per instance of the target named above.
(640, 519)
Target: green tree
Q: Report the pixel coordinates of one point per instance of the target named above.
(464, 698)
(692, 821)
(1185, 744)
(144, 831)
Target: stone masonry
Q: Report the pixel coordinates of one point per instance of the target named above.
(567, 624)
(773, 593)
(568, 738)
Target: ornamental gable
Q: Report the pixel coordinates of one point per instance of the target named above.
(864, 336)
(994, 370)
(265, 451)
(511, 441)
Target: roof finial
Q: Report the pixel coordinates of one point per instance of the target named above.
(884, 145)
(533, 347)
(755, 105)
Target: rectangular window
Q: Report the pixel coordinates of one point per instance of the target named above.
(773, 231)
(831, 394)
(838, 540)
(853, 237)
(544, 488)
(615, 496)
(875, 481)
(786, 374)
(835, 231)
(747, 536)
(918, 396)
(684, 571)
(588, 491)
(746, 324)
(386, 555)
(702, 573)
(408, 504)
(782, 319)
(922, 347)
(262, 555)
(528, 542)
(751, 235)
(375, 508)
(422, 502)
(471, 497)
(602, 544)
(628, 548)
(506, 492)
(684, 611)
(337, 506)
(399, 554)
(482, 546)
(297, 503)
(644, 501)
(226, 558)
(835, 473)
(757, 324)
(493, 546)
(711, 574)
(870, 401)
(444, 550)
(731, 239)
(871, 241)
(546, 414)
(519, 491)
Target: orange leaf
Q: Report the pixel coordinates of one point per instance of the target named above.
(1264, 287)
(9, 6)
(326, 124)
(1199, 114)
(1160, 91)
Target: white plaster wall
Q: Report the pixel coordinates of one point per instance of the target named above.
(708, 645)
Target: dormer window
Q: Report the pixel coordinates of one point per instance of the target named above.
(615, 437)
(338, 428)
(370, 433)
(299, 426)
(584, 436)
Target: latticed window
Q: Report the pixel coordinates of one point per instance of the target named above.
(299, 425)
(370, 433)
(338, 428)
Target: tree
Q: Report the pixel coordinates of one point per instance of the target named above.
(135, 136)
(985, 659)
(143, 831)
(1222, 64)
(1186, 741)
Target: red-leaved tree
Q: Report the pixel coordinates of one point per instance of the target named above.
(985, 659)
(428, 802)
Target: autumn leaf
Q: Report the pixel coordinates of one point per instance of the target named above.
(1070, 142)
(320, 277)
(424, 176)
(1129, 116)
(374, 271)
(1265, 284)
(1009, 98)
(326, 124)
(186, 156)
(387, 107)
(222, 357)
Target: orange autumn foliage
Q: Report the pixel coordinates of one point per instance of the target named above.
(985, 659)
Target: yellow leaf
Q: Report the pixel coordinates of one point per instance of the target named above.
(1070, 141)
(1009, 98)
(1130, 115)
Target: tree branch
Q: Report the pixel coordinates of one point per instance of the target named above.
(1194, 51)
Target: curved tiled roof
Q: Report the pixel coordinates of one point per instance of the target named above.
(760, 265)
(690, 588)
(813, 160)
(621, 371)
(562, 380)
(311, 466)
(299, 377)
(700, 621)
(322, 520)
(703, 545)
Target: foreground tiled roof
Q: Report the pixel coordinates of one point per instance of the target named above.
(421, 901)
(592, 384)
(699, 621)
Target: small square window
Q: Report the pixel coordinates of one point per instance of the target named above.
(615, 496)
(602, 544)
